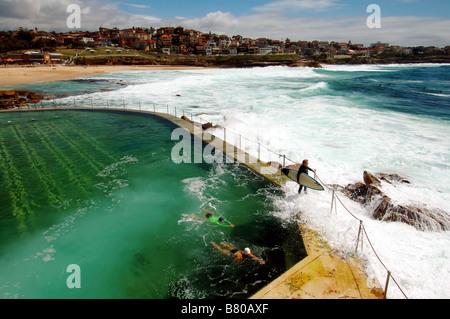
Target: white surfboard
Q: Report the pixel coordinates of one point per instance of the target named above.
(305, 180)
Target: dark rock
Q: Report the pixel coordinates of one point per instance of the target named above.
(418, 217)
(369, 194)
(389, 178)
(9, 93)
(207, 126)
(11, 99)
(369, 179)
(361, 192)
(382, 208)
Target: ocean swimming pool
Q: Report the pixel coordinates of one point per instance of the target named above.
(100, 190)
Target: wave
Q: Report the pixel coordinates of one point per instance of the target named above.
(317, 86)
(356, 68)
(439, 94)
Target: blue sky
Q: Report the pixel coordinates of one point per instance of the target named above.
(403, 22)
(197, 8)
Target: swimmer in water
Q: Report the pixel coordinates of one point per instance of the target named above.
(219, 221)
(236, 253)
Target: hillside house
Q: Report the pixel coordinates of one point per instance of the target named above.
(166, 40)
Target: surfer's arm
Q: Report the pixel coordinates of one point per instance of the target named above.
(312, 170)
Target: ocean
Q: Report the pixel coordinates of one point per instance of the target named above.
(346, 119)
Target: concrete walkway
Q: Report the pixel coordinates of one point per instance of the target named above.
(322, 275)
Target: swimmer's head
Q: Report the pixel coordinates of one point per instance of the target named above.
(247, 251)
(220, 219)
(208, 215)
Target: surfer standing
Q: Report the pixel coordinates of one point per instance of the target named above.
(303, 169)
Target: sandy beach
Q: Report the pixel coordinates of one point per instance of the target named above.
(16, 75)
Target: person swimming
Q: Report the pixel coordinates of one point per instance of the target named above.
(219, 221)
(236, 253)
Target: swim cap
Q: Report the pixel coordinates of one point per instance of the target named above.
(247, 250)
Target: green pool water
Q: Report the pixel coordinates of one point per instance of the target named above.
(100, 190)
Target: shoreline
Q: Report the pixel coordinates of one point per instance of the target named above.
(14, 76)
(21, 75)
(29, 74)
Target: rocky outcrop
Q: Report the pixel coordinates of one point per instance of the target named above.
(14, 98)
(383, 208)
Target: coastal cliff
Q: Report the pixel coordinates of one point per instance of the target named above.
(231, 61)
(247, 61)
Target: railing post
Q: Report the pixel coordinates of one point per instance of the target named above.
(387, 284)
(259, 151)
(359, 235)
(332, 201)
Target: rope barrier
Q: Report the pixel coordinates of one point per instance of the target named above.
(334, 198)
(362, 229)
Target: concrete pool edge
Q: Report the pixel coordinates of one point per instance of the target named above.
(320, 275)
